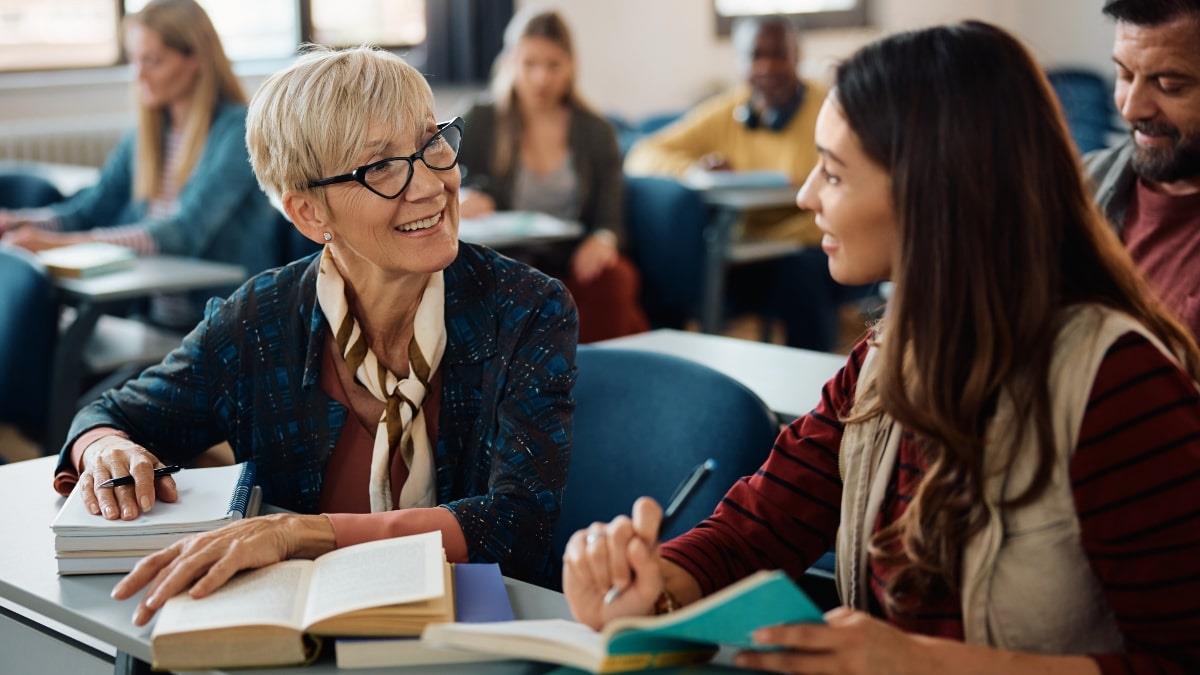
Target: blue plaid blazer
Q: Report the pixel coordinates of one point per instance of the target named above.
(248, 373)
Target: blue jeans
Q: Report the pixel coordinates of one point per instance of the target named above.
(27, 334)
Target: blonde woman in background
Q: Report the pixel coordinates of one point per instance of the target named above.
(181, 183)
(540, 147)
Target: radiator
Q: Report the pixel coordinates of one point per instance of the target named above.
(85, 142)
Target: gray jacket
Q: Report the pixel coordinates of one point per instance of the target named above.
(1112, 178)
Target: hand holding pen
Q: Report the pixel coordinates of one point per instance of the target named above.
(613, 569)
(121, 479)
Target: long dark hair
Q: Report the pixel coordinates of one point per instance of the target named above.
(998, 235)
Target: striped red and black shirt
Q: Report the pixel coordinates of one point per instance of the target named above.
(1135, 476)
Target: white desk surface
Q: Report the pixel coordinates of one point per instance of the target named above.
(787, 379)
(151, 275)
(28, 580)
(749, 198)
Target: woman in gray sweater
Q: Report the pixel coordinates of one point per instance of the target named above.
(540, 147)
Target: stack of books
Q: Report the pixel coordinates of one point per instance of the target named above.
(208, 499)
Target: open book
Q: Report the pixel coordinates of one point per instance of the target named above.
(479, 597)
(690, 635)
(383, 588)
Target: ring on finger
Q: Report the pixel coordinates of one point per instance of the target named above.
(594, 537)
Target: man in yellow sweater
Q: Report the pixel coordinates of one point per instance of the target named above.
(765, 124)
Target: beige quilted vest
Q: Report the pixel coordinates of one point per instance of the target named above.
(1026, 582)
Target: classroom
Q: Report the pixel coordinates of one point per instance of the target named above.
(539, 336)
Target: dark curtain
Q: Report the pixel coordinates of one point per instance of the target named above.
(464, 37)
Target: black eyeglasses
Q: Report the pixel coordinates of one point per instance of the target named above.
(389, 177)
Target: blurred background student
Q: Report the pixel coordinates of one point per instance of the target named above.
(539, 147)
(179, 184)
(763, 124)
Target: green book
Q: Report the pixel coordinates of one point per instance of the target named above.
(690, 635)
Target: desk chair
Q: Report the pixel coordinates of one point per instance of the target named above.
(642, 422)
(665, 221)
(1087, 103)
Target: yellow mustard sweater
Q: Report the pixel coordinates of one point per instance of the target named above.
(711, 127)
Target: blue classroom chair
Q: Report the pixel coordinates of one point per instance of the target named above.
(642, 422)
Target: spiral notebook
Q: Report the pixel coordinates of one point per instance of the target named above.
(208, 498)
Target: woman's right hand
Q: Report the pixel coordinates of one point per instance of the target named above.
(620, 554)
(115, 456)
(475, 204)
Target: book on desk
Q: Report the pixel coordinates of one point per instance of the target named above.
(277, 615)
(690, 635)
(208, 498)
(81, 261)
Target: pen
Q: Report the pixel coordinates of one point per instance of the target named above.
(128, 480)
(676, 501)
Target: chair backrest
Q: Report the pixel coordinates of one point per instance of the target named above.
(22, 191)
(1087, 103)
(642, 422)
(665, 223)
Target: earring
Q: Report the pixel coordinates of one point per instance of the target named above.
(328, 237)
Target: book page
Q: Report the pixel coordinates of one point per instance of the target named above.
(377, 573)
(269, 596)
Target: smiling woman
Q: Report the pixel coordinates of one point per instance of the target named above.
(397, 382)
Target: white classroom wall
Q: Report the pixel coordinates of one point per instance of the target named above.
(636, 56)
(645, 56)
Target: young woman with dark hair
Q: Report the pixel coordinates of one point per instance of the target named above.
(1009, 464)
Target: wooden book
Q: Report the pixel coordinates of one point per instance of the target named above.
(392, 587)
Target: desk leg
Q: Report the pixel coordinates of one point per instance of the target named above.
(716, 246)
(66, 372)
(127, 664)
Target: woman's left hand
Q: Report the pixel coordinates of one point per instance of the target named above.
(851, 642)
(36, 239)
(596, 254)
(204, 562)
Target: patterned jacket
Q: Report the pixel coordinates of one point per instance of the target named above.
(249, 374)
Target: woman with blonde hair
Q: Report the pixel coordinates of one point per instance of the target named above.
(1008, 467)
(540, 147)
(181, 183)
(397, 382)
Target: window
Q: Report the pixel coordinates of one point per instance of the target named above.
(44, 34)
(257, 29)
(391, 23)
(805, 13)
(60, 34)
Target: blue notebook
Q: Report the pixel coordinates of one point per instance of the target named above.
(479, 597)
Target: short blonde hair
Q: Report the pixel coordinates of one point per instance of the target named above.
(311, 120)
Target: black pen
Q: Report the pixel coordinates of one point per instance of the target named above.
(678, 498)
(128, 480)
